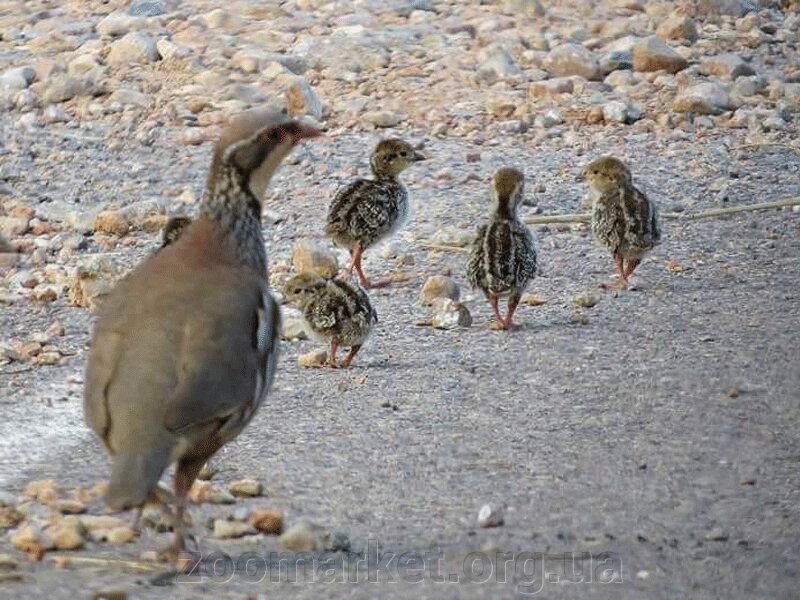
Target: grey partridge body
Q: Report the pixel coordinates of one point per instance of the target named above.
(624, 220)
(503, 256)
(369, 210)
(336, 311)
(185, 347)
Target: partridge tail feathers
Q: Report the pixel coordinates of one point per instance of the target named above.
(133, 479)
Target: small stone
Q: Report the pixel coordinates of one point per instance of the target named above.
(311, 257)
(572, 59)
(677, 28)
(110, 595)
(302, 100)
(551, 87)
(716, 535)
(439, 286)
(531, 8)
(727, 66)
(45, 293)
(92, 280)
(44, 491)
(120, 535)
(383, 118)
(532, 300)
(448, 314)
(549, 118)
(14, 226)
(8, 562)
(267, 521)
(315, 358)
(32, 542)
(615, 112)
(70, 507)
(300, 537)
(336, 541)
(498, 64)
(17, 78)
(101, 522)
(293, 326)
(111, 221)
(709, 98)
(130, 97)
(642, 574)
(134, 47)
(586, 300)
(10, 517)
(193, 136)
(117, 24)
(225, 530)
(491, 515)
(210, 493)
(654, 55)
(54, 113)
(219, 18)
(67, 535)
(146, 8)
(453, 236)
(249, 488)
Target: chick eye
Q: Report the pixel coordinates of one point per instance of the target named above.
(296, 290)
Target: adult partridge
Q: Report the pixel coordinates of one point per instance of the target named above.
(185, 347)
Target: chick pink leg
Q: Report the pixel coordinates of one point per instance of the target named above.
(350, 356)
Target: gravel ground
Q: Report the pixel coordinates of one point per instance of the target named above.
(653, 436)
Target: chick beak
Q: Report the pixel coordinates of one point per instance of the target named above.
(580, 175)
(418, 156)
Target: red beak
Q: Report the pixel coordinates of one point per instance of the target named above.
(303, 131)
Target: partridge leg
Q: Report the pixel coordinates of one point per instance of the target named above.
(631, 267)
(332, 355)
(493, 300)
(622, 280)
(513, 302)
(356, 254)
(350, 356)
(186, 472)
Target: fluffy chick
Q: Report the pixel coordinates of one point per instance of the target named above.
(336, 311)
(370, 210)
(503, 256)
(624, 220)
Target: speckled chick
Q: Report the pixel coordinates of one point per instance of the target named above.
(503, 256)
(370, 210)
(337, 311)
(624, 220)
(173, 229)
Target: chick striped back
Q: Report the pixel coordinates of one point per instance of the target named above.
(626, 222)
(341, 310)
(503, 257)
(366, 211)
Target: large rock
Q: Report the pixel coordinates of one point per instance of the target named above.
(551, 87)
(654, 55)
(498, 64)
(707, 98)
(134, 47)
(302, 100)
(572, 59)
(715, 8)
(311, 257)
(725, 66)
(677, 28)
(17, 78)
